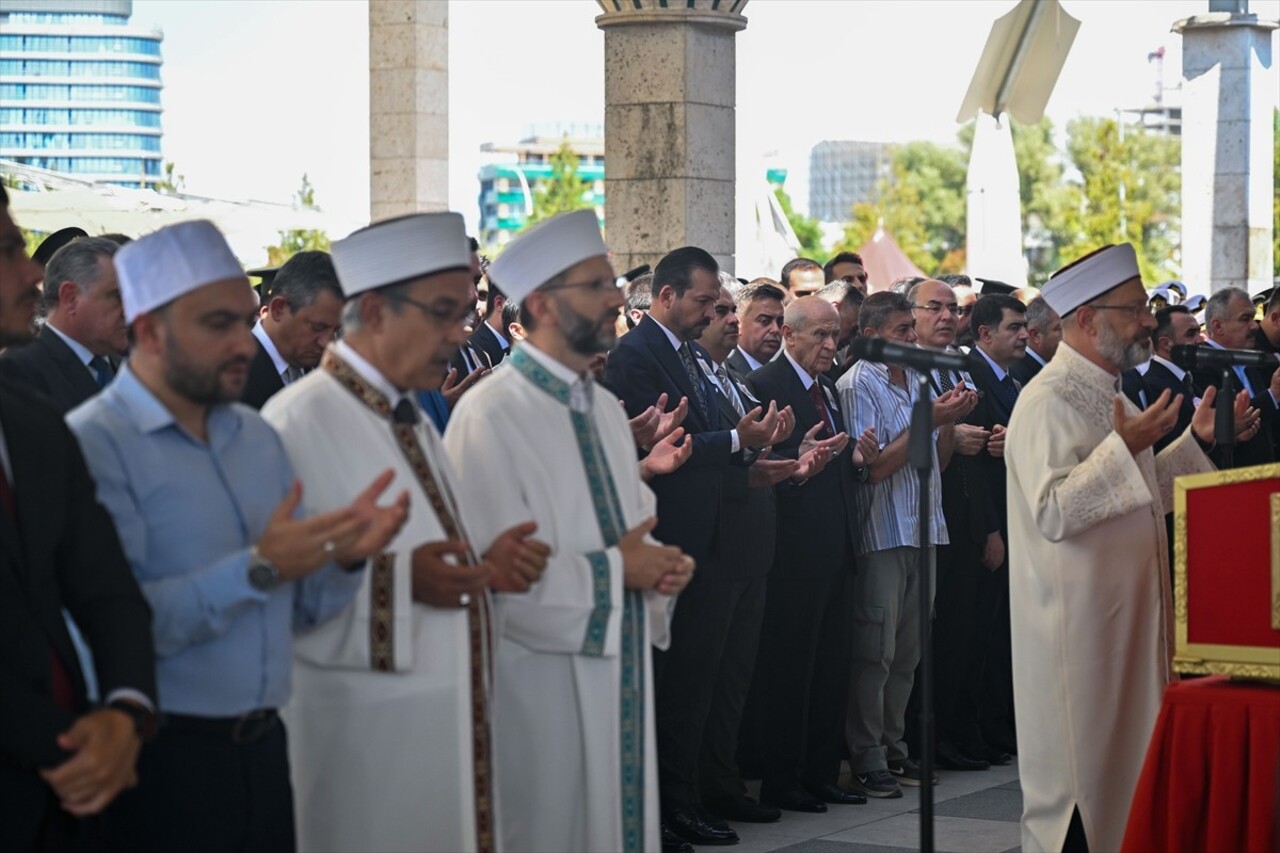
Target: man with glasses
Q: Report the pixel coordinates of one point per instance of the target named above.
(391, 745)
(1088, 563)
(962, 286)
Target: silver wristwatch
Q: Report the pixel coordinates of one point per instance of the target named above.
(263, 574)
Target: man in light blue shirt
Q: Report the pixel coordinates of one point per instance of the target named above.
(204, 500)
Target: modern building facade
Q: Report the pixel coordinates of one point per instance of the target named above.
(80, 90)
(507, 187)
(843, 173)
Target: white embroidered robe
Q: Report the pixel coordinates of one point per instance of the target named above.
(574, 778)
(1089, 598)
(380, 724)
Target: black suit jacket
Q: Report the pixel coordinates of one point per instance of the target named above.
(968, 499)
(486, 341)
(1261, 449)
(994, 407)
(641, 368)
(1026, 368)
(810, 515)
(748, 514)
(737, 362)
(50, 368)
(62, 552)
(1160, 379)
(264, 380)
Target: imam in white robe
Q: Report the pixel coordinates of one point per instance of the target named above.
(1089, 598)
(380, 724)
(573, 777)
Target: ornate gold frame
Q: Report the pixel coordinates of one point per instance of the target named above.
(1208, 658)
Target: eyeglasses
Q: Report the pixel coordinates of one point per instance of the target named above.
(938, 308)
(597, 286)
(440, 317)
(1136, 312)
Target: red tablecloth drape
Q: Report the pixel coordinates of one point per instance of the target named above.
(1211, 780)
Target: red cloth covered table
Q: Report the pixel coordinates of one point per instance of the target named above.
(1212, 775)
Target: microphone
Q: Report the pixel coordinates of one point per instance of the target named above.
(1189, 357)
(919, 358)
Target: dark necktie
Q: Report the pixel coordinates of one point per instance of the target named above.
(101, 370)
(405, 413)
(1190, 384)
(695, 379)
(1009, 390)
(820, 403)
(944, 381)
(726, 386)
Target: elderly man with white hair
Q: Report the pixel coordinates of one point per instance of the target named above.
(1088, 562)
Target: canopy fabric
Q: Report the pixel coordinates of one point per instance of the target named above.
(885, 262)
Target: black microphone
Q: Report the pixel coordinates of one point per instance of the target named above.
(919, 358)
(1189, 357)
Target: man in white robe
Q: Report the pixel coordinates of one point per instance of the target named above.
(390, 722)
(574, 724)
(1088, 562)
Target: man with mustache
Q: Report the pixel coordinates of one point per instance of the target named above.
(206, 505)
(1088, 563)
(660, 356)
(75, 353)
(299, 319)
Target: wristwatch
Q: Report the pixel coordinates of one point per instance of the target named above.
(144, 721)
(862, 473)
(263, 574)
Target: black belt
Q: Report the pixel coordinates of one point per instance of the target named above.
(243, 730)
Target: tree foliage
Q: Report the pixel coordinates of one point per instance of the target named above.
(564, 190)
(808, 231)
(299, 239)
(173, 183)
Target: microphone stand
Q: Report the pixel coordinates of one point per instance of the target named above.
(1224, 430)
(920, 457)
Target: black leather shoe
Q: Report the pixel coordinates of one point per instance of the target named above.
(689, 825)
(743, 809)
(986, 752)
(794, 800)
(672, 843)
(831, 793)
(1002, 738)
(950, 758)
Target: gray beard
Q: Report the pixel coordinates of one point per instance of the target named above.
(1123, 356)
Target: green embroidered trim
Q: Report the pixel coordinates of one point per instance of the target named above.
(597, 624)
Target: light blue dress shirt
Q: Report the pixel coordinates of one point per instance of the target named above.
(188, 513)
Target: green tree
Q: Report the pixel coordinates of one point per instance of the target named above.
(563, 191)
(808, 231)
(299, 239)
(173, 183)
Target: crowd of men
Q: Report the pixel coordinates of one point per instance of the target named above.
(522, 556)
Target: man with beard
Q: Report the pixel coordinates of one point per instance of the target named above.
(656, 358)
(1088, 564)
(847, 267)
(299, 321)
(760, 332)
(205, 500)
(574, 724)
(75, 353)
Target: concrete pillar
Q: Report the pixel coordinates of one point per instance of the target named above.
(669, 127)
(408, 107)
(1228, 84)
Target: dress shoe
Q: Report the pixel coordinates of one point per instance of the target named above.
(672, 843)
(794, 800)
(1002, 738)
(986, 752)
(689, 825)
(743, 809)
(831, 793)
(950, 758)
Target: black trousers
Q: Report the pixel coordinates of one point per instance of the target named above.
(960, 629)
(199, 791)
(803, 675)
(702, 683)
(995, 698)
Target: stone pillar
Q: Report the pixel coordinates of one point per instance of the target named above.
(1228, 81)
(669, 127)
(408, 107)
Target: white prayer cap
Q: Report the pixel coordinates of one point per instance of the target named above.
(156, 269)
(401, 249)
(1090, 277)
(546, 250)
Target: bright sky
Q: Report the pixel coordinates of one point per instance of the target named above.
(259, 91)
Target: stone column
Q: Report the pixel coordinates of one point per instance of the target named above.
(408, 107)
(1228, 81)
(669, 127)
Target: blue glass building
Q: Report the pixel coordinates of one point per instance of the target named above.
(80, 90)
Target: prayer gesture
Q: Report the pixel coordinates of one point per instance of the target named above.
(297, 547)
(1247, 418)
(815, 454)
(866, 449)
(767, 472)
(441, 582)
(970, 439)
(1146, 428)
(454, 389)
(756, 429)
(646, 566)
(995, 444)
(655, 423)
(953, 405)
(516, 559)
(667, 455)
(104, 747)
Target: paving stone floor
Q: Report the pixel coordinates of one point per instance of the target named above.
(974, 812)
